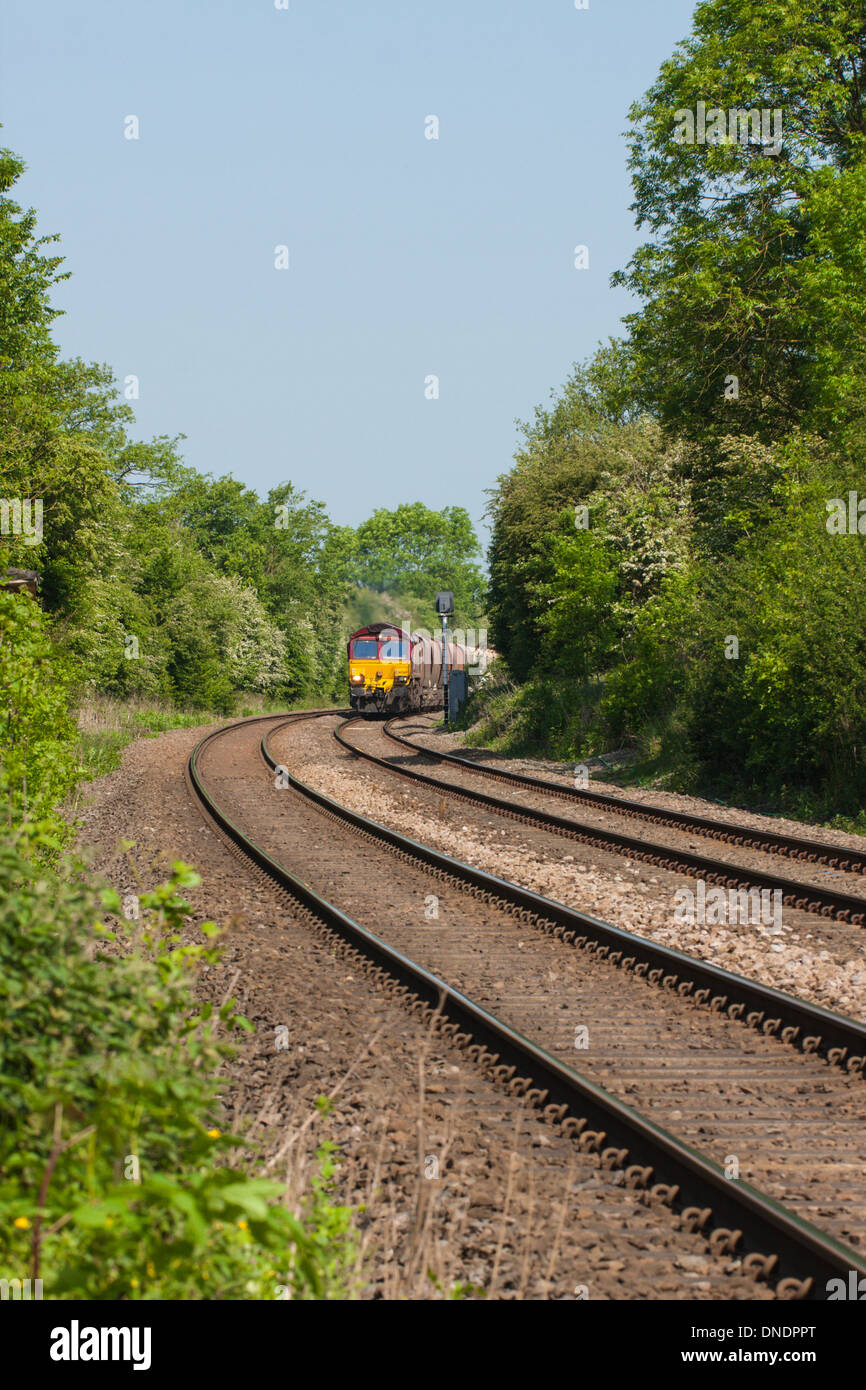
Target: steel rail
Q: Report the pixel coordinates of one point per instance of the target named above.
(844, 907)
(775, 1243)
(839, 1039)
(840, 857)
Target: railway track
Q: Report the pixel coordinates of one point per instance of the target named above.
(827, 902)
(839, 857)
(777, 1243)
(841, 1041)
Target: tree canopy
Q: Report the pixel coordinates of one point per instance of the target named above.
(661, 569)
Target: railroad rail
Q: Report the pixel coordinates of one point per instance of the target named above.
(841, 857)
(776, 1243)
(827, 902)
(840, 1040)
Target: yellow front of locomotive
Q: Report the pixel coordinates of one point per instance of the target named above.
(380, 672)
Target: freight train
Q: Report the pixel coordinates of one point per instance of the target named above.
(396, 672)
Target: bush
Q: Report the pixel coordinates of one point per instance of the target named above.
(116, 1181)
(554, 716)
(780, 710)
(37, 736)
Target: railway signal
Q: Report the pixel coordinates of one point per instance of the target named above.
(445, 607)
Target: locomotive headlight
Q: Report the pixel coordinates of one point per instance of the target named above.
(356, 679)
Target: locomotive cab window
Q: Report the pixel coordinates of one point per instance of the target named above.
(395, 651)
(365, 648)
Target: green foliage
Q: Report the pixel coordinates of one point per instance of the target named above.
(37, 736)
(574, 634)
(783, 712)
(414, 552)
(634, 615)
(708, 523)
(558, 466)
(554, 714)
(116, 1180)
(541, 555)
(220, 640)
(757, 263)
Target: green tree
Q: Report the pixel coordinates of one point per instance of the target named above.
(574, 455)
(413, 550)
(37, 736)
(735, 278)
(119, 1178)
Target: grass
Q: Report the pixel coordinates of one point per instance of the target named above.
(106, 725)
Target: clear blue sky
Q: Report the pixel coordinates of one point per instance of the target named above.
(305, 127)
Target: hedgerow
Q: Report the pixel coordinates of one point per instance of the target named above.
(117, 1178)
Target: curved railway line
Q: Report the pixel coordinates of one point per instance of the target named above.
(841, 857)
(808, 1026)
(828, 902)
(667, 1030)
